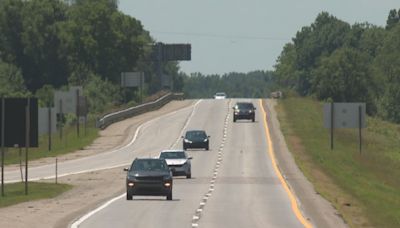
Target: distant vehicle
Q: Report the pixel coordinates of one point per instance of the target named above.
(149, 177)
(244, 110)
(220, 95)
(196, 139)
(178, 161)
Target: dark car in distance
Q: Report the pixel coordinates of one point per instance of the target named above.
(244, 110)
(149, 177)
(196, 139)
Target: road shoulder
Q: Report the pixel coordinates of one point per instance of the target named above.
(314, 207)
(90, 189)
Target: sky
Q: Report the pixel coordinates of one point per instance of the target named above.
(242, 35)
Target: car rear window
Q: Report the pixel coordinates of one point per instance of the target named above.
(244, 105)
(149, 165)
(172, 155)
(196, 135)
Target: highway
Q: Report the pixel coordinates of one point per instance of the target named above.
(233, 184)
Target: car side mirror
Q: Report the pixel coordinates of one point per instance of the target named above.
(190, 158)
(208, 136)
(126, 169)
(254, 108)
(182, 137)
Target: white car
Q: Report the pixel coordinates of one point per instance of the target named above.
(220, 95)
(178, 161)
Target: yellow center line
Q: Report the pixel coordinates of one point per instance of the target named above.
(293, 201)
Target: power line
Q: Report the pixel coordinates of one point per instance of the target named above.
(213, 35)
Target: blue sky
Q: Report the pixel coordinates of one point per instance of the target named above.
(241, 36)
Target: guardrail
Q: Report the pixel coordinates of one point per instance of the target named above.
(108, 119)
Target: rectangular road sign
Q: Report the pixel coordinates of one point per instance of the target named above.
(68, 100)
(15, 122)
(345, 115)
(132, 79)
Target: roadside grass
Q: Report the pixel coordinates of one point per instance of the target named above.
(15, 193)
(365, 188)
(69, 142)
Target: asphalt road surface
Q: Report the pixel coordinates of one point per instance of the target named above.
(232, 185)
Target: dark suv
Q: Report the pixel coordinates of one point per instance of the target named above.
(244, 110)
(196, 139)
(149, 177)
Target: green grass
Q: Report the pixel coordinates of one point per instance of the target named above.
(371, 180)
(15, 193)
(70, 142)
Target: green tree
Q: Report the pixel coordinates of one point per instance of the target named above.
(343, 77)
(11, 81)
(393, 18)
(387, 66)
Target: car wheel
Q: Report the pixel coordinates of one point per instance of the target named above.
(169, 196)
(188, 176)
(128, 196)
(234, 119)
(253, 119)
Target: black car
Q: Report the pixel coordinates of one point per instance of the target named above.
(244, 110)
(196, 139)
(149, 177)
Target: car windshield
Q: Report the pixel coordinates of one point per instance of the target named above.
(173, 155)
(193, 135)
(149, 165)
(244, 106)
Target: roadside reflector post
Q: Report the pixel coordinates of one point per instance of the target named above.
(332, 124)
(360, 126)
(56, 170)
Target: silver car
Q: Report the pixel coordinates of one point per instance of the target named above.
(178, 161)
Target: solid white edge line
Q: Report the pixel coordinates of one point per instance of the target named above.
(91, 213)
(109, 152)
(88, 215)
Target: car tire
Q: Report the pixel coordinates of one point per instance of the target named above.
(128, 196)
(253, 119)
(169, 196)
(189, 175)
(208, 147)
(234, 119)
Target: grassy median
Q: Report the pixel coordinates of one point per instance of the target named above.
(15, 193)
(365, 187)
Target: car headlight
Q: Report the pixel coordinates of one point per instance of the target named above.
(205, 140)
(187, 141)
(131, 184)
(167, 184)
(250, 111)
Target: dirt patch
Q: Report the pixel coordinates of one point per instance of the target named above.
(90, 189)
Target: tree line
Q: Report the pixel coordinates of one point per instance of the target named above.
(255, 84)
(335, 61)
(49, 44)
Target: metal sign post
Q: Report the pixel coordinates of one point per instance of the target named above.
(50, 125)
(2, 144)
(360, 125)
(345, 115)
(27, 124)
(77, 112)
(332, 124)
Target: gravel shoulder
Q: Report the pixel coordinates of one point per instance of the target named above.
(315, 208)
(90, 189)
